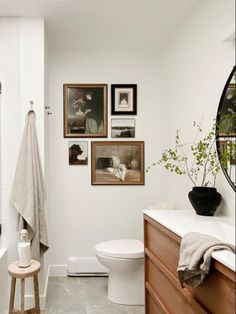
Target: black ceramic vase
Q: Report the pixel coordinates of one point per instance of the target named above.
(205, 200)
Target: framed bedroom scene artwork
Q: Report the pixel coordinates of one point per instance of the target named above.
(124, 99)
(85, 110)
(117, 163)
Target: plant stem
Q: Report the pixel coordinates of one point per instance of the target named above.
(186, 166)
(206, 162)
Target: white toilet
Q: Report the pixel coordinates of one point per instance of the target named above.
(125, 261)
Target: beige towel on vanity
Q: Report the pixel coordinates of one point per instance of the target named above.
(195, 257)
(28, 191)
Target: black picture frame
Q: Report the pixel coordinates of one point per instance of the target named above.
(126, 93)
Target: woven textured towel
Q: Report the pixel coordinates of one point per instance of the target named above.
(28, 191)
(195, 257)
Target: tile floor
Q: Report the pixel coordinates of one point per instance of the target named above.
(83, 295)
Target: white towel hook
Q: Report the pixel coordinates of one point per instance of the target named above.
(31, 104)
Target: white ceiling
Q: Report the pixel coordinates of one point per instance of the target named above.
(104, 24)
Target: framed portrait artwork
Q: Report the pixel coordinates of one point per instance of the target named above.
(117, 163)
(85, 110)
(123, 128)
(78, 153)
(124, 99)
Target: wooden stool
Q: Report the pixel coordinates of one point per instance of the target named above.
(22, 273)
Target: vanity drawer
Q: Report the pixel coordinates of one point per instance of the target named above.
(215, 295)
(151, 306)
(161, 242)
(177, 300)
(222, 284)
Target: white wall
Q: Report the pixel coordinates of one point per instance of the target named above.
(22, 73)
(82, 215)
(175, 87)
(195, 66)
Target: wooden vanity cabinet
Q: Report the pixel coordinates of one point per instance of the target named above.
(163, 292)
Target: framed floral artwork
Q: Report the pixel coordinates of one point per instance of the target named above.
(85, 110)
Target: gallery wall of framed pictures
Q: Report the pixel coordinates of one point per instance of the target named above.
(119, 161)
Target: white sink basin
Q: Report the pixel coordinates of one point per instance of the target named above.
(183, 221)
(220, 230)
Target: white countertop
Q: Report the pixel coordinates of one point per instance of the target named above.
(183, 221)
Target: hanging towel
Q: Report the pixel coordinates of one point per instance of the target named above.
(28, 190)
(195, 257)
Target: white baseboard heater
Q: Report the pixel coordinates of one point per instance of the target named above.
(85, 266)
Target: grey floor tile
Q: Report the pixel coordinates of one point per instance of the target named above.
(83, 295)
(106, 309)
(66, 309)
(135, 310)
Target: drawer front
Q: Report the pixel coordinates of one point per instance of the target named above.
(175, 300)
(218, 292)
(162, 246)
(151, 306)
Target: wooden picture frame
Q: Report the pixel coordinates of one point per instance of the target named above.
(117, 163)
(124, 99)
(85, 110)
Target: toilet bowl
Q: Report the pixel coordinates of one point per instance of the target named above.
(125, 261)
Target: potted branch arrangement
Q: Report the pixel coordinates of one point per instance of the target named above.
(199, 161)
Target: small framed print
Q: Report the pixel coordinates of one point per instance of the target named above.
(124, 99)
(122, 128)
(117, 163)
(78, 153)
(85, 110)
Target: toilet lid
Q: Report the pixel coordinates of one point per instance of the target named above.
(124, 248)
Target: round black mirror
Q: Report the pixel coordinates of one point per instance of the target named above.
(226, 129)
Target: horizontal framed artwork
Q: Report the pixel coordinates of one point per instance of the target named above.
(78, 153)
(117, 163)
(122, 128)
(124, 99)
(85, 110)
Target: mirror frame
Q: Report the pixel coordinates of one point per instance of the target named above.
(217, 126)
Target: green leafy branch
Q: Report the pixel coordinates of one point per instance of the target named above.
(204, 159)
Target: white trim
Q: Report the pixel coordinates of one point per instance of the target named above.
(84, 266)
(57, 270)
(29, 298)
